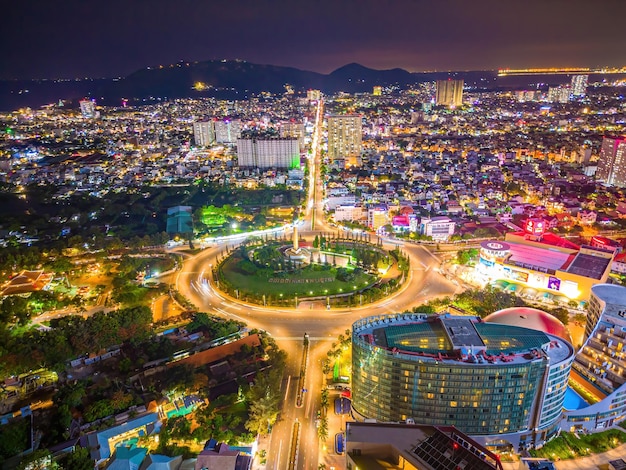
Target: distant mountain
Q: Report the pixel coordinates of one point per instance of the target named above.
(243, 78)
(358, 78)
(178, 80)
(229, 79)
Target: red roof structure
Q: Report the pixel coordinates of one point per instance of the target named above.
(531, 318)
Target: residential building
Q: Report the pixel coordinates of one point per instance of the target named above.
(377, 216)
(87, 108)
(619, 264)
(268, 153)
(222, 457)
(204, 133)
(612, 162)
(440, 228)
(227, 131)
(559, 94)
(579, 85)
(344, 137)
(350, 213)
(313, 95)
(292, 130)
(585, 217)
(449, 93)
(504, 385)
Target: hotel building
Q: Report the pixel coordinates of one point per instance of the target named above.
(600, 365)
(503, 385)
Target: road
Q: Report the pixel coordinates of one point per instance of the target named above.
(288, 325)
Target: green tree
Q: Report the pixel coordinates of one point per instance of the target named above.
(262, 415)
(14, 438)
(41, 459)
(79, 459)
(562, 314)
(322, 429)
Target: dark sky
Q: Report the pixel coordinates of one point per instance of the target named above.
(75, 38)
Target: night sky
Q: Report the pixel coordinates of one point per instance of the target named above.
(108, 38)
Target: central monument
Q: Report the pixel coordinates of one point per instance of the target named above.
(295, 253)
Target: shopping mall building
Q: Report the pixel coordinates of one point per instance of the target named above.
(541, 265)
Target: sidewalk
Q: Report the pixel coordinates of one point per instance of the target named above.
(593, 462)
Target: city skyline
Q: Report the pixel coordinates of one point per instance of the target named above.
(48, 40)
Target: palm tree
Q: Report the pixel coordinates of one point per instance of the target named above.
(322, 429)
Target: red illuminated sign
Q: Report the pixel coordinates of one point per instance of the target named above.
(535, 227)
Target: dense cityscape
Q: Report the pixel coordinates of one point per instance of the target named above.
(267, 256)
(205, 282)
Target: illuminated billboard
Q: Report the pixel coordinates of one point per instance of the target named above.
(516, 275)
(535, 227)
(554, 283)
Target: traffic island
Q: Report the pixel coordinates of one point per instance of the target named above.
(344, 274)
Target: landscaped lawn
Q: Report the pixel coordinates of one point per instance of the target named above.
(306, 283)
(570, 446)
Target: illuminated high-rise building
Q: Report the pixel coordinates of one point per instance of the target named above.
(292, 130)
(502, 380)
(449, 93)
(313, 95)
(377, 91)
(268, 153)
(612, 162)
(227, 131)
(559, 94)
(204, 133)
(600, 361)
(88, 108)
(579, 85)
(344, 137)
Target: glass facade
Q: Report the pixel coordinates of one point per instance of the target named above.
(390, 384)
(487, 399)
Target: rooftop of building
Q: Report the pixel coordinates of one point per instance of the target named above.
(533, 318)
(610, 293)
(617, 464)
(589, 266)
(548, 239)
(461, 339)
(537, 258)
(426, 447)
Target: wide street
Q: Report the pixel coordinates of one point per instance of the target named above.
(288, 325)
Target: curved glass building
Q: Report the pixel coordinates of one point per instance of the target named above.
(504, 385)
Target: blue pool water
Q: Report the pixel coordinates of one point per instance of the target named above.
(573, 401)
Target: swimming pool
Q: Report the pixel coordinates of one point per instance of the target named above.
(573, 401)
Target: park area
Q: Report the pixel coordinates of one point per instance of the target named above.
(308, 281)
(570, 446)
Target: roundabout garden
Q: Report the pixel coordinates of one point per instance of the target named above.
(336, 271)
